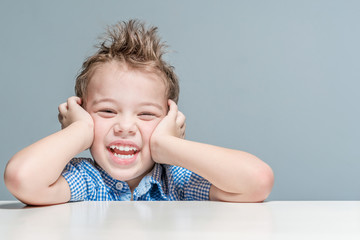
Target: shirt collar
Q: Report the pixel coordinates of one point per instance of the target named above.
(154, 177)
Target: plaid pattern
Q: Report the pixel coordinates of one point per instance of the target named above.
(89, 182)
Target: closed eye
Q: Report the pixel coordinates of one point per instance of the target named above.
(147, 116)
(106, 113)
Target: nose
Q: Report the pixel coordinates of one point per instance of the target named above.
(125, 126)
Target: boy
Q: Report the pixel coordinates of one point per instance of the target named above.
(125, 111)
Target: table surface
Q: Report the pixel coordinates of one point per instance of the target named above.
(180, 220)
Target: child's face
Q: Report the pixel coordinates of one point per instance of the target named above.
(126, 106)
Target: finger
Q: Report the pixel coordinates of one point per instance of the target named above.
(63, 108)
(183, 128)
(173, 109)
(180, 120)
(73, 101)
(60, 117)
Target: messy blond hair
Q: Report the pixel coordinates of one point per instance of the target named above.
(132, 44)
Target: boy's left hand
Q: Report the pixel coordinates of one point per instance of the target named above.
(172, 125)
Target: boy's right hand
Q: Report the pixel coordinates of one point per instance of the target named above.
(71, 111)
(33, 174)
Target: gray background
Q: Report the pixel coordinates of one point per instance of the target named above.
(279, 79)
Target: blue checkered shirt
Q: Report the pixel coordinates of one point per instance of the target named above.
(89, 182)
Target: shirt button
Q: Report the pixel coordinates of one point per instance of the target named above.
(119, 186)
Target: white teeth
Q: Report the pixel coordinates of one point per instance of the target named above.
(122, 148)
(124, 156)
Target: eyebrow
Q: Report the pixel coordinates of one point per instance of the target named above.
(151, 104)
(97, 101)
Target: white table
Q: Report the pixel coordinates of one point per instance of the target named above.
(182, 220)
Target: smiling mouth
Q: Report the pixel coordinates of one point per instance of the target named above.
(123, 152)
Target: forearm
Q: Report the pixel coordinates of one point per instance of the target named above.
(39, 165)
(230, 170)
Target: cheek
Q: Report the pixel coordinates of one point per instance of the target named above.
(147, 129)
(100, 129)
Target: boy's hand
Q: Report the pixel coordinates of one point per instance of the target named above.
(71, 111)
(172, 125)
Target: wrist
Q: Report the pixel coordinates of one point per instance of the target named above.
(155, 148)
(160, 148)
(85, 132)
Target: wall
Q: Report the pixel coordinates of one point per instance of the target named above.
(279, 79)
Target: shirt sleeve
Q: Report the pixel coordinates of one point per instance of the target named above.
(196, 188)
(74, 175)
